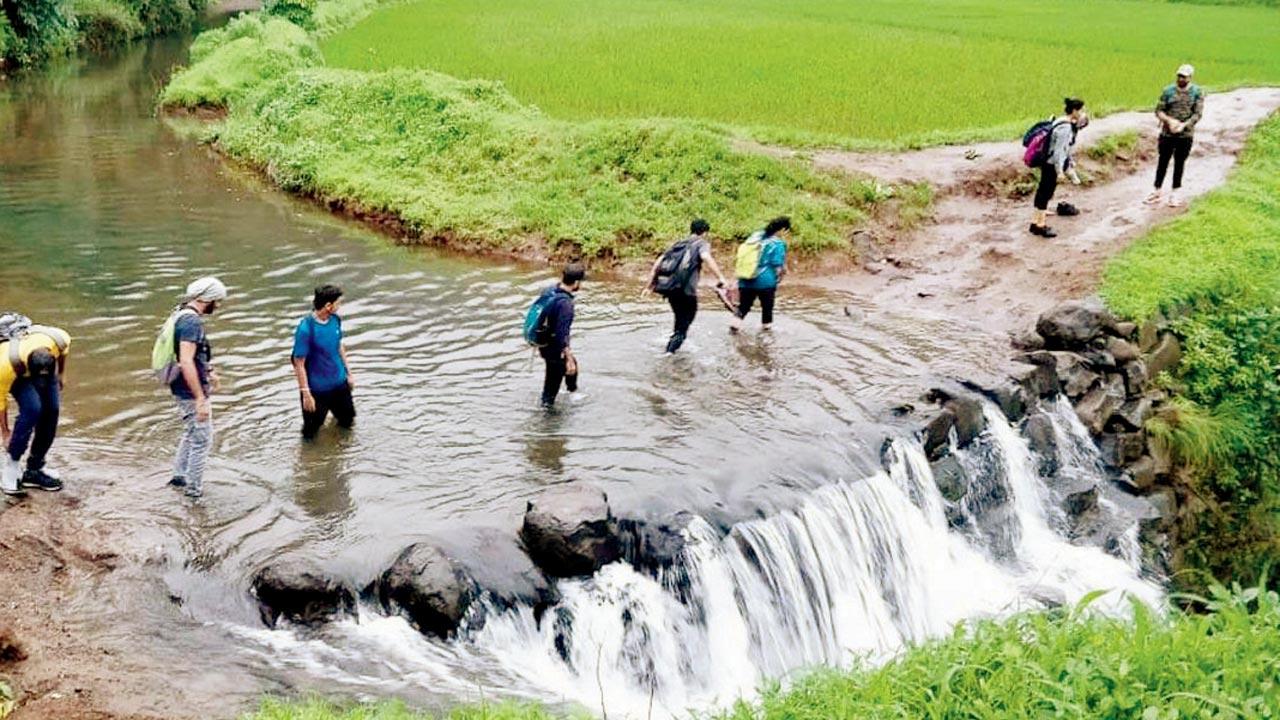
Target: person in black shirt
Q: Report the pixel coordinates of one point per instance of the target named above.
(562, 366)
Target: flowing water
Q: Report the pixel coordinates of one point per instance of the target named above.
(106, 213)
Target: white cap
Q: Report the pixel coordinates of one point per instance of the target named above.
(1186, 70)
(207, 289)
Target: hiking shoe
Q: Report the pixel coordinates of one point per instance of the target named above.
(41, 480)
(1066, 209)
(1174, 200)
(10, 477)
(177, 481)
(1154, 198)
(193, 492)
(1043, 231)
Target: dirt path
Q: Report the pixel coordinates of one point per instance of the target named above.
(976, 261)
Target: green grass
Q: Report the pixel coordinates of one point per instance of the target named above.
(806, 71)
(231, 61)
(1221, 663)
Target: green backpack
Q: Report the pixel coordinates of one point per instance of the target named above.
(164, 353)
(746, 264)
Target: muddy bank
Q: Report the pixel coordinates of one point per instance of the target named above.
(976, 262)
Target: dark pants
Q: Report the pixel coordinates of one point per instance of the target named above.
(555, 375)
(39, 402)
(1047, 187)
(337, 401)
(1177, 148)
(747, 297)
(685, 308)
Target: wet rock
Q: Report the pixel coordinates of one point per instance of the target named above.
(951, 478)
(1073, 323)
(970, 420)
(1043, 442)
(1074, 376)
(1164, 356)
(1099, 360)
(570, 531)
(1142, 474)
(301, 592)
(11, 651)
(653, 545)
(1135, 377)
(1133, 414)
(1036, 376)
(935, 436)
(1164, 504)
(1122, 351)
(426, 585)
(1096, 407)
(1148, 335)
(1047, 595)
(1006, 393)
(1081, 500)
(499, 568)
(1125, 330)
(1120, 449)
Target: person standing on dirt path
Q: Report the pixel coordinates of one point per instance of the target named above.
(196, 381)
(1180, 107)
(675, 276)
(320, 364)
(760, 264)
(1057, 162)
(31, 369)
(557, 320)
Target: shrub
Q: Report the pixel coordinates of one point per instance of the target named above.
(39, 29)
(229, 62)
(161, 16)
(103, 23)
(297, 12)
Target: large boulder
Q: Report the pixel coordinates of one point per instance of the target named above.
(1122, 351)
(935, 436)
(1135, 377)
(299, 591)
(428, 587)
(950, 477)
(1134, 414)
(1043, 441)
(1164, 356)
(1036, 375)
(1074, 323)
(1097, 406)
(653, 545)
(569, 531)
(1075, 375)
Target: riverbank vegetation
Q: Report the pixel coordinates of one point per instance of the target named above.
(32, 31)
(864, 73)
(463, 163)
(1222, 663)
(1215, 273)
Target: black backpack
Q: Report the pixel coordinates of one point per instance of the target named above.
(676, 267)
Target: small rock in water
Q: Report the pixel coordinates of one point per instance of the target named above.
(570, 531)
(301, 592)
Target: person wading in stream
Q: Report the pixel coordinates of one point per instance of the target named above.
(675, 276)
(320, 364)
(554, 325)
(760, 263)
(1057, 161)
(1179, 109)
(32, 363)
(196, 380)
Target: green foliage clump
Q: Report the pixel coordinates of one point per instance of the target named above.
(103, 23)
(463, 160)
(38, 29)
(230, 61)
(162, 16)
(1222, 664)
(297, 12)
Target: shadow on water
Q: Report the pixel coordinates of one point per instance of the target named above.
(105, 215)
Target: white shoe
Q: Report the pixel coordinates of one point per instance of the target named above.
(1153, 198)
(1174, 200)
(10, 474)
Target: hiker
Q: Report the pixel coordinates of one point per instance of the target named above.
(1065, 208)
(760, 263)
(548, 325)
(675, 276)
(1179, 109)
(194, 381)
(32, 365)
(1057, 161)
(320, 364)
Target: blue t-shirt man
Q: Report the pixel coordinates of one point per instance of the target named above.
(189, 327)
(319, 345)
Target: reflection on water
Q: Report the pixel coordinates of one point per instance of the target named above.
(105, 215)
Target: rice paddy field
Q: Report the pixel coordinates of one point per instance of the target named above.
(887, 71)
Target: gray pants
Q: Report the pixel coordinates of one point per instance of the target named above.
(193, 447)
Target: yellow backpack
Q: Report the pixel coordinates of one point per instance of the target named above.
(746, 264)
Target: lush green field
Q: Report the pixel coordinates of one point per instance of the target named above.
(1220, 260)
(1222, 664)
(878, 70)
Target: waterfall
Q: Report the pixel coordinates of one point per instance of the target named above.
(854, 573)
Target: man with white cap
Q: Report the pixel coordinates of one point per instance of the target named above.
(1180, 107)
(196, 379)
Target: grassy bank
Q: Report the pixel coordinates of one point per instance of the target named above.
(870, 71)
(32, 31)
(1217, 268)
(462, 162)
(1220, 664)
